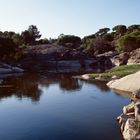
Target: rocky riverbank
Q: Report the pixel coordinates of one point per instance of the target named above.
(129, 120)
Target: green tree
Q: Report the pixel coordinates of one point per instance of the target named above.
(102, 31)
(7, 48)
(34, 33)
(129, 42)
(31, 35)
(70, 41)
(26, 38)
(134, 28)
(120, 29)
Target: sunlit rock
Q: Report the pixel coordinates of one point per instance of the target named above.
(137, 111)
(129, 108)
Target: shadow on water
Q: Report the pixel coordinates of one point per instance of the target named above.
(27, 85)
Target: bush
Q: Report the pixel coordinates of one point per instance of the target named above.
(129, 42)
(69, 41)
(7, 48)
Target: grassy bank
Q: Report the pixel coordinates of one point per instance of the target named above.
(118, 70)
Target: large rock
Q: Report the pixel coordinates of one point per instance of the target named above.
(120, 59)
(137, 111)
(128, 83)
(136, 94)
(129, 108)
(134, 57)
(130, 130)
(102, 62)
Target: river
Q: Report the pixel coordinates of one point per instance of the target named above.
(58, 107)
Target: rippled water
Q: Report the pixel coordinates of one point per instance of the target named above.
(58, 107)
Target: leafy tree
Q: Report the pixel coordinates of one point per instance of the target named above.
(34, 33)
(7, 48)
(26, 38)
(43, 41)
(120, 29)
(102, 31)
(70, 41)
(134, 28)
(102, 46)
(129, 42)
(17, 39)
(108, 37)
(31, 35)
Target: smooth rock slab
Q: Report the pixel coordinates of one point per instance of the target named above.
(130, 83)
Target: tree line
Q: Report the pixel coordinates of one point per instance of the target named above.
(120, 38)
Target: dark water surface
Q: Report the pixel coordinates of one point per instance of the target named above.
(58, 107)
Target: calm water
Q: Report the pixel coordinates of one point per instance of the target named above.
(57, 107)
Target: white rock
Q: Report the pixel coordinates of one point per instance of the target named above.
(128, 83)
(129, 108)
(137, 112)
(130, 130)
(85, 76)
(115, 77)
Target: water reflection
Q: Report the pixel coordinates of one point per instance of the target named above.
(28, 85)
(56, 115)
(99, 84)
(70, 84)
(23, 86)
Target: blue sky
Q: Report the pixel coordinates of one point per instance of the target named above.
(76, 17)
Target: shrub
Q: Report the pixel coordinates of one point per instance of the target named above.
(129, 42)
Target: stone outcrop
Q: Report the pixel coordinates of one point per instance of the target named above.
(120, 59)
(134, 57)
(129, 121)
(128, 83)
(127, 58)
(102, 61)
(54, 58)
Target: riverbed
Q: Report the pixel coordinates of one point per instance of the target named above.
(58, 107)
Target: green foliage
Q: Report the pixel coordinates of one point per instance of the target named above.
(11, 43)
(69, 41)
(7, 48)
(129, 42)
(121, 38)
(43, 41)
(108, 37)
(31, 35)
(120, 29)
(119, 71)
(134, 28)
(102, 31)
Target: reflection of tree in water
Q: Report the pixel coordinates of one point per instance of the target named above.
(100, 84)
(23, 86)
(27, 85)
(68, 83)
(65, 82)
